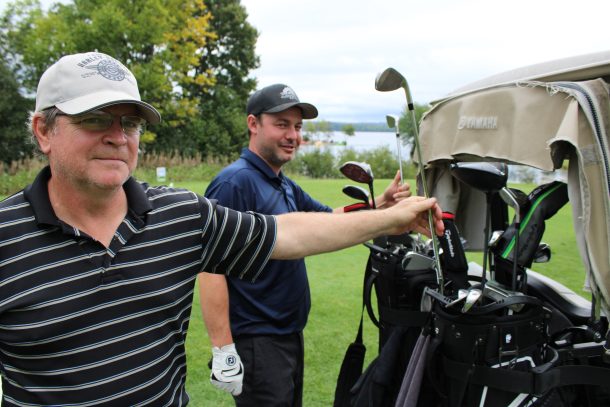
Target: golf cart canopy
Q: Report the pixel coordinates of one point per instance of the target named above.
(546, 116)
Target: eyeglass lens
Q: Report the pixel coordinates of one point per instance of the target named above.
(100, 121)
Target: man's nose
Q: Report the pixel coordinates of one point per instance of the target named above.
(294, 133)
(115, 134)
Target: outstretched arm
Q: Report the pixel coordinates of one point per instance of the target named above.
(303, 234)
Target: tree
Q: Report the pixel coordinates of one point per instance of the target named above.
(348, 129)
(159, 40)
(407, 131)
(14, 137)
(313, 129)
(220, 127)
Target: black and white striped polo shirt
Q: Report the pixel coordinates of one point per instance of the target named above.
(86, 325)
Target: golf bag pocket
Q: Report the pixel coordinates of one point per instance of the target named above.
(395, 288)
(398, 293)
(474, 359)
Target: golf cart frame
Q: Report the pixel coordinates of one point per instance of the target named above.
(543, 116)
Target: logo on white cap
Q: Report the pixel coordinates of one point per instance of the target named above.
(109, 69)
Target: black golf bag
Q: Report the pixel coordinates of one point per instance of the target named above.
(398, 293)
(542, 203)
(398, 281)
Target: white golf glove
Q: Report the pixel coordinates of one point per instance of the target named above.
(227, 369)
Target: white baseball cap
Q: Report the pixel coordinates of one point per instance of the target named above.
(80, 83)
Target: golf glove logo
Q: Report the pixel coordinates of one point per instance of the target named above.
(227, 369)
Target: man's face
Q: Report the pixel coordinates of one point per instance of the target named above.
(275, 137)
(92, 159)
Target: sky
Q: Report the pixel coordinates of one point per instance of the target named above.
(330, 51)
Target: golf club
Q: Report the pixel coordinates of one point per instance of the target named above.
(511, 200)
(494, 291)
(471, 298)
(543, 253)
(357, 193)
(416, 261)
(390, 80)
(462, 293)
(488, 178)
(360, 172)
(393, 122)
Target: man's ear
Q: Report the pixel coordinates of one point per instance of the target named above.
(42, 132)
(252, 122)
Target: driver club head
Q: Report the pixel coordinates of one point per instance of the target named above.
(484, 176)
(357, 171)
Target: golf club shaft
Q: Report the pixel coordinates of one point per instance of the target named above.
(439, 271)
(402, 181)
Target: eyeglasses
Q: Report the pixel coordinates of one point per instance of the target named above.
(98, 120)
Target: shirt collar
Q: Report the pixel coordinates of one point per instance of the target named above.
(37, 195)
(261, 165)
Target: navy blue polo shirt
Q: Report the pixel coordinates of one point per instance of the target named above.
(280, 302)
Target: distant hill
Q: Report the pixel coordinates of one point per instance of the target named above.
(336, 126)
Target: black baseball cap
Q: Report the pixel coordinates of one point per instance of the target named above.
(277, 98)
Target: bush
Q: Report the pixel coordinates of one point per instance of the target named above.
(16, 175)
(323, 164)
(317, 164)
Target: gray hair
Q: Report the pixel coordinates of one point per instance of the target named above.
(49, 116)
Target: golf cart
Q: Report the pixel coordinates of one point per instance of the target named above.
(545, 116)
(500, 334)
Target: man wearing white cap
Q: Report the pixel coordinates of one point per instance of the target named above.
(97, 270)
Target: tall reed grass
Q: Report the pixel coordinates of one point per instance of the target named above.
(16, 175)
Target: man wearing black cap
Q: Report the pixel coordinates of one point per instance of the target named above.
(267, 318)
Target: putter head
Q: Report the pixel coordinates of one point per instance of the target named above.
(357, 171)
(389, 80)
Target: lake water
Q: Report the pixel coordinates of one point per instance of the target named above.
(360, 141)
(363, 141)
